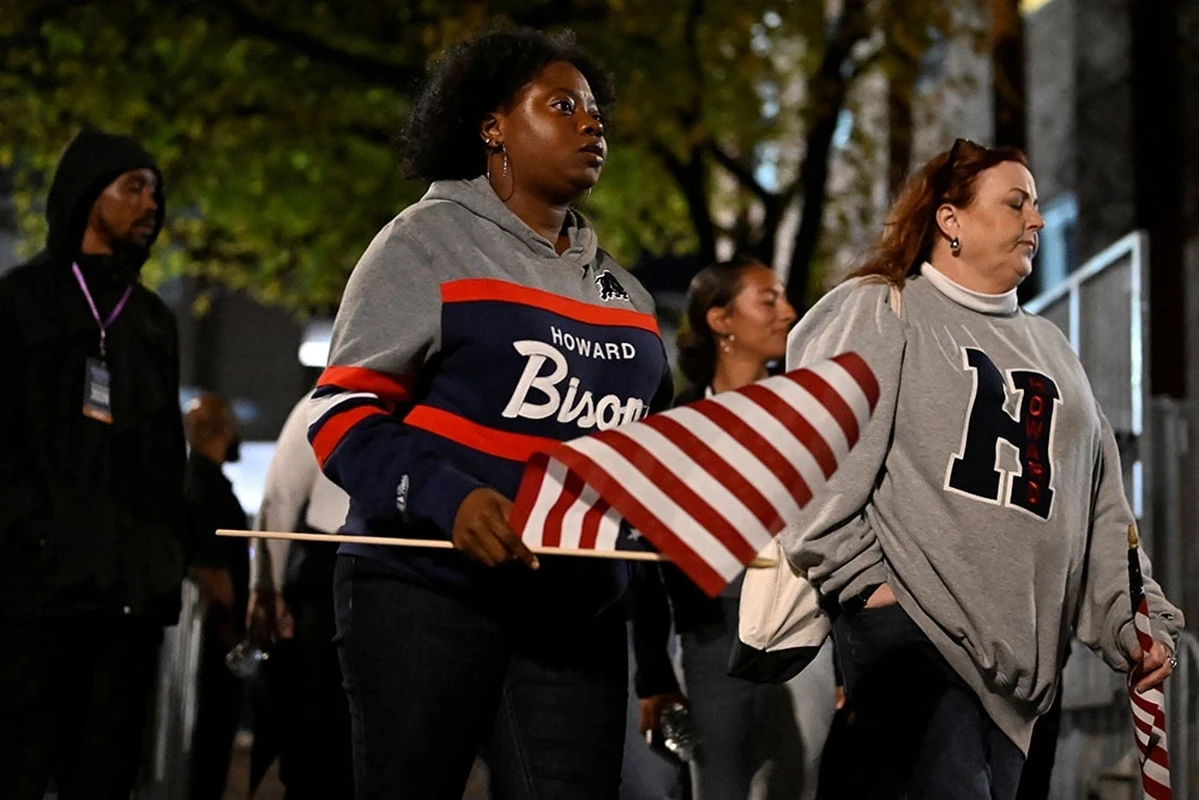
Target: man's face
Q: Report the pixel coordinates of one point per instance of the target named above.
(126, 211)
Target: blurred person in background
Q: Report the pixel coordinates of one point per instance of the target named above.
(221, 568)
(93, 526)
(291, 612)
(650, 770)
(738, 319)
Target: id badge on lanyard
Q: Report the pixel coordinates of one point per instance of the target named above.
(97, 391)
(97, 380)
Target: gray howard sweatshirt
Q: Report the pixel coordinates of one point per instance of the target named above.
(986, 490)
(464, 344)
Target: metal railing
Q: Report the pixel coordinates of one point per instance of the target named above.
(1101, 308)
(166, 772)
(1182, 701)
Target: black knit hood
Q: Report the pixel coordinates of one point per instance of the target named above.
(91, 161)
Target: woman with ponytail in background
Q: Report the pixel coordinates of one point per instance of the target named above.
(738, 321)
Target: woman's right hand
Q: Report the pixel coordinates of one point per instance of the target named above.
(482, 532)
(268, 618)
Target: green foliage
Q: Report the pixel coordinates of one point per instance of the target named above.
(273, 128)
(277, 165)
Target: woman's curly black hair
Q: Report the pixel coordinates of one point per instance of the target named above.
(441, 139)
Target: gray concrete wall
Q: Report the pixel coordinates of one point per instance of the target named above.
(1102, 105)
(1050, 47)
(1081, 113)
(1189, 28)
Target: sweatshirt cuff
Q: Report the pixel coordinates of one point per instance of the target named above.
(439, 495)
(1127, 637)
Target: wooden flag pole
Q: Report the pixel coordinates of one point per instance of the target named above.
(442, 544)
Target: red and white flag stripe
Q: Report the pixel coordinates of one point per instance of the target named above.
(1149, 720)
(709, 484)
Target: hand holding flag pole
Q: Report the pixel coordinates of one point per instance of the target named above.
(711, 483)
(1148, 707)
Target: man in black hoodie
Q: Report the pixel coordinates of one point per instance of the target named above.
(93, 528)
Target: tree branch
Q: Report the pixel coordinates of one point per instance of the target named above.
(30, 35)
(740, 170)
(695, 10)
(31, 27)
(690, 177)
(546, 15)
(372, 68)
(830, 87)
(369, 68)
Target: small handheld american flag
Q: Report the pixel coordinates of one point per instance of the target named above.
(709, 484)
(1148, 708)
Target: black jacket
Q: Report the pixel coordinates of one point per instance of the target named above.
(92, 516)
(213, 505)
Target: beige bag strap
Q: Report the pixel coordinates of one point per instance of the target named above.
(896, 300)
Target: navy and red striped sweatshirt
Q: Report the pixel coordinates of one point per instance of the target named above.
(465, 343)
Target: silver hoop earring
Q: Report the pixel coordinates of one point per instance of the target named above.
(505, 152)
(955, 245)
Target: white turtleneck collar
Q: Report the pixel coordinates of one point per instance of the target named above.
(1000, 304)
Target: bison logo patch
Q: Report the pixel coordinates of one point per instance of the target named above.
(609, 287)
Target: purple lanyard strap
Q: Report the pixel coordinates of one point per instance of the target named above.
(104, 324)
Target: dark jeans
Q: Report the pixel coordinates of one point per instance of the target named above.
(74, 696)
(924, 732)
(741, 725)
(432, 680)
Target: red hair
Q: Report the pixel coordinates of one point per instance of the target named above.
(911, 227)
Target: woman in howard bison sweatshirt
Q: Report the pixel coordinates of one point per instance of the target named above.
(481, 325)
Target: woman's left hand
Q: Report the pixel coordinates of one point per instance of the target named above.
(1154, 667)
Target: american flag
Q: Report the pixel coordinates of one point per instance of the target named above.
(709, 484)
(1148, 709)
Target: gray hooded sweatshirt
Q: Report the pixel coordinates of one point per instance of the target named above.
(464, 344)
(987, 490)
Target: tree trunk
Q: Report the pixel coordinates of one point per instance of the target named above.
(830, 87)
(904, 46)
